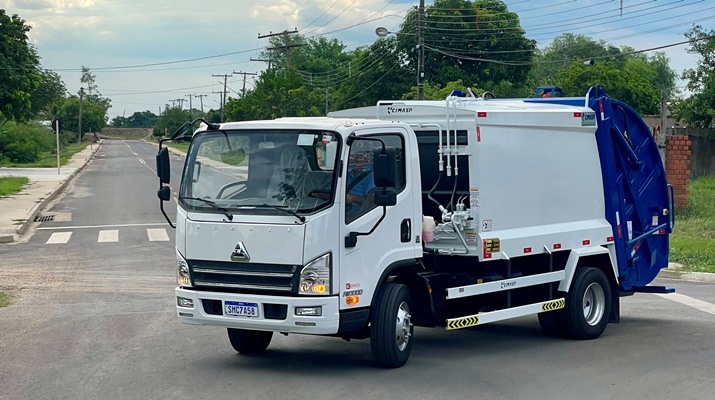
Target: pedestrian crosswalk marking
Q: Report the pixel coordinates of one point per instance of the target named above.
(157, 235)
(59, 237)
(110, 236)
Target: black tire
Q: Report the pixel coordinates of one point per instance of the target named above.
(551, 323)
(588, 304)
(249, 342)
(391, 328)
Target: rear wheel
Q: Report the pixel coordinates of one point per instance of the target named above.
(588, 304)
(391, 326)
(249, 342)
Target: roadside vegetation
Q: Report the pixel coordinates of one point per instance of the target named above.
(10, 185)
(31, 145)
(4, 299)
(178, 146)
(693, 240)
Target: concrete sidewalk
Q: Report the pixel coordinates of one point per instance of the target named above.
(18, 211)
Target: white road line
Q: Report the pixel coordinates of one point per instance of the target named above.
(59, 238)
(142, 161)
(110, 236)
(703, 306)
(53, 228)
(157, 235)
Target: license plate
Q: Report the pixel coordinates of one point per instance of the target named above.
(240, 309)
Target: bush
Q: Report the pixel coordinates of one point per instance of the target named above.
(22, 152)
(24, 143)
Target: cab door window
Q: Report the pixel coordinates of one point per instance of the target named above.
(360, 181)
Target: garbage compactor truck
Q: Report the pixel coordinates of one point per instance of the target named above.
(452, 213)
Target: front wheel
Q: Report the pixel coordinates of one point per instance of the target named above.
(391, 326)
(249, 342)
(588, 304)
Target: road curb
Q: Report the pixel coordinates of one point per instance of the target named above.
(20, 230)
(703, 277)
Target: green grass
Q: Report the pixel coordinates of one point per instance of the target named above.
(693, 240)
(49, 160)
(178, 146)
(10, 185)
(4, 300)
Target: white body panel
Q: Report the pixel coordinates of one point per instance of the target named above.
(265, 243)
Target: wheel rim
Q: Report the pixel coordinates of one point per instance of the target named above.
(594, 300)
(403, 327)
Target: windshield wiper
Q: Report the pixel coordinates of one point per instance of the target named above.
(279, 208)
(225, 212)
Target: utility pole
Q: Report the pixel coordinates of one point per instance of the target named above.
(81, 95)
(265, 60)
(287, 47)
(191, 108)
(663, 129)
(201, 98)
(243, 91)
(223, 98)
(421, 51)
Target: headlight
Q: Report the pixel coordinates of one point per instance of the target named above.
(315, 277)
(183, 278)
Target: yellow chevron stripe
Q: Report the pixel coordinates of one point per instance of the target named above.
(463, 322)
(553, 305)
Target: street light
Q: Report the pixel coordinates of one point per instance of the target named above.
(383, 32)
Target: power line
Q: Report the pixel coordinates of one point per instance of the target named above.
(223, 97)
(243, 91)
(524, 63)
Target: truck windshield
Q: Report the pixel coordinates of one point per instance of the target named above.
(260, 171)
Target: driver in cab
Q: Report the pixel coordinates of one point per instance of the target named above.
(360, 181)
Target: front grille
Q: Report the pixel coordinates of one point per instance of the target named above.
(244, 277)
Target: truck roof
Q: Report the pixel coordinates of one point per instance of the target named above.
(313, 123)
(435, 109)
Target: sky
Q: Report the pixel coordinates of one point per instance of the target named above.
(146, 53)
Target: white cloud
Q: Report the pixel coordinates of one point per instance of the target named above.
(104, 33)
(32, 4)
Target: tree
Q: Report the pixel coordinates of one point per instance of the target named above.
(564, 50)
(699, 109)
(630, 84)
(94, 116)
(89, 81)
(140, 119)
(19, 69)
(372, 73)
(91, 94)
(277, 94)
(170, 120)
(479, 42)
(48, 95)
(642, 81)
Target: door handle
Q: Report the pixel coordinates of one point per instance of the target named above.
(406, 231)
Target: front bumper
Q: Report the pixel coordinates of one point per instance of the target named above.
(326, 324)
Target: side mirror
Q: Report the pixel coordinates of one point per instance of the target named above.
(386, 198)
(164, 193)
(163, 169)
(233, 157)
(384, 167)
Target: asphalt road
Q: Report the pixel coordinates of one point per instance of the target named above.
(93, 318)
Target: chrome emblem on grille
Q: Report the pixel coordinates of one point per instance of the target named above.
(240, 253)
